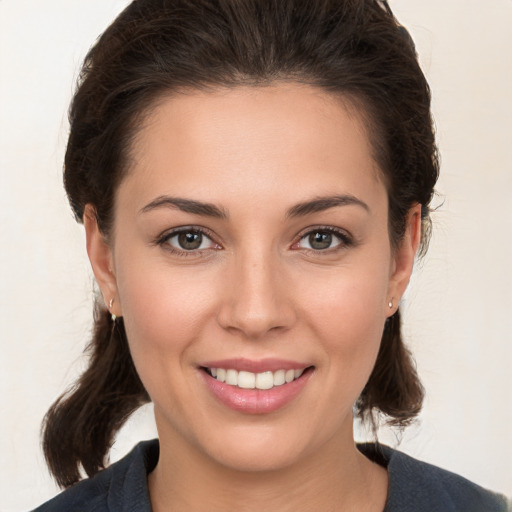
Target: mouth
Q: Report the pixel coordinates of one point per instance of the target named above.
(264, 380)
(255, 387)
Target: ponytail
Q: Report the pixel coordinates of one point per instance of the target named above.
(394, 387)
(79, 428)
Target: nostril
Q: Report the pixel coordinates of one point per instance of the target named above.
(255, 321)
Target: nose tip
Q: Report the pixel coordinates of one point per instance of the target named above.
(256, 302)
(251, 324)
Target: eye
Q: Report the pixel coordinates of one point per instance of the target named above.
(188, 240)
(319, 241)
(322, 240)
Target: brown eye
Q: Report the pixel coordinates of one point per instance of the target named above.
(320, 240)
(190, 241)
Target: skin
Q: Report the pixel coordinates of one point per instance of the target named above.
(256, 289)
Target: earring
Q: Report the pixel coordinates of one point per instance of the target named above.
(110, 304)
(390, 304)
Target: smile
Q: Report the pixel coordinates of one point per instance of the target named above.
(249, 380)
(255, 387)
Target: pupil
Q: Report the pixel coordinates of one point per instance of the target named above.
(320, 240)
(190, 241)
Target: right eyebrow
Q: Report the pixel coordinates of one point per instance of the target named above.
(185, 205)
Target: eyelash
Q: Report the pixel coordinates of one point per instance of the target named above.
(163, 241)
(345, 240)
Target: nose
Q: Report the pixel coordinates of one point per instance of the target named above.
(257, 297)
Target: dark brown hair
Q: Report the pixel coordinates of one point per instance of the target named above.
(354, 48)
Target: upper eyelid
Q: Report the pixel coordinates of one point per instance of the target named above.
(166, 235)
(184, 229)
(337, 231)
(346, 239)
(163, 241)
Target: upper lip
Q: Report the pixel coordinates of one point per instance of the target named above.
(255, 366)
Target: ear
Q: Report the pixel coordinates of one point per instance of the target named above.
(102, 261)
(403, 258)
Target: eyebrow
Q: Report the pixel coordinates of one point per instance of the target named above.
(320, 204)
(186, 205)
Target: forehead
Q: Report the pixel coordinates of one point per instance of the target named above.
(279, 140)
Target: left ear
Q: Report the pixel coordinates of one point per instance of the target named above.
(403, 258)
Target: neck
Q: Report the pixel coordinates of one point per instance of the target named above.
(336, 477)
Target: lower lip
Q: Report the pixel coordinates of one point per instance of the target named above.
(256, 401)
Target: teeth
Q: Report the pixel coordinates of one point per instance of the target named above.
(249, 380)
(279, 378)
(265, 380)
(232, 377)
(246, 380)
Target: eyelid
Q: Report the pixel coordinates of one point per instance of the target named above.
(346, 239)
(162, 239)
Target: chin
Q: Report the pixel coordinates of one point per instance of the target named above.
(271, 446)
(254, 457)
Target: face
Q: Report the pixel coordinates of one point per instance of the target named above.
(252, 265)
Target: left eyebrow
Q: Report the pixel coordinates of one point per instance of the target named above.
(319, 204)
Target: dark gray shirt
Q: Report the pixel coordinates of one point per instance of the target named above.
(414, 486)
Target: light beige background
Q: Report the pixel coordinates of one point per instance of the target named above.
(458, 311)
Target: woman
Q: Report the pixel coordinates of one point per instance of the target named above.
(254, 178)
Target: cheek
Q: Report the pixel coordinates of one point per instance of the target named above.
(164, 313)
(347, 315)
(349, 301)
(155, 296)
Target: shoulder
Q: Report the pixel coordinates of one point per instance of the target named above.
(123, 483)
(419, 486)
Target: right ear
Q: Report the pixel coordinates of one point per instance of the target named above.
(102, 261)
